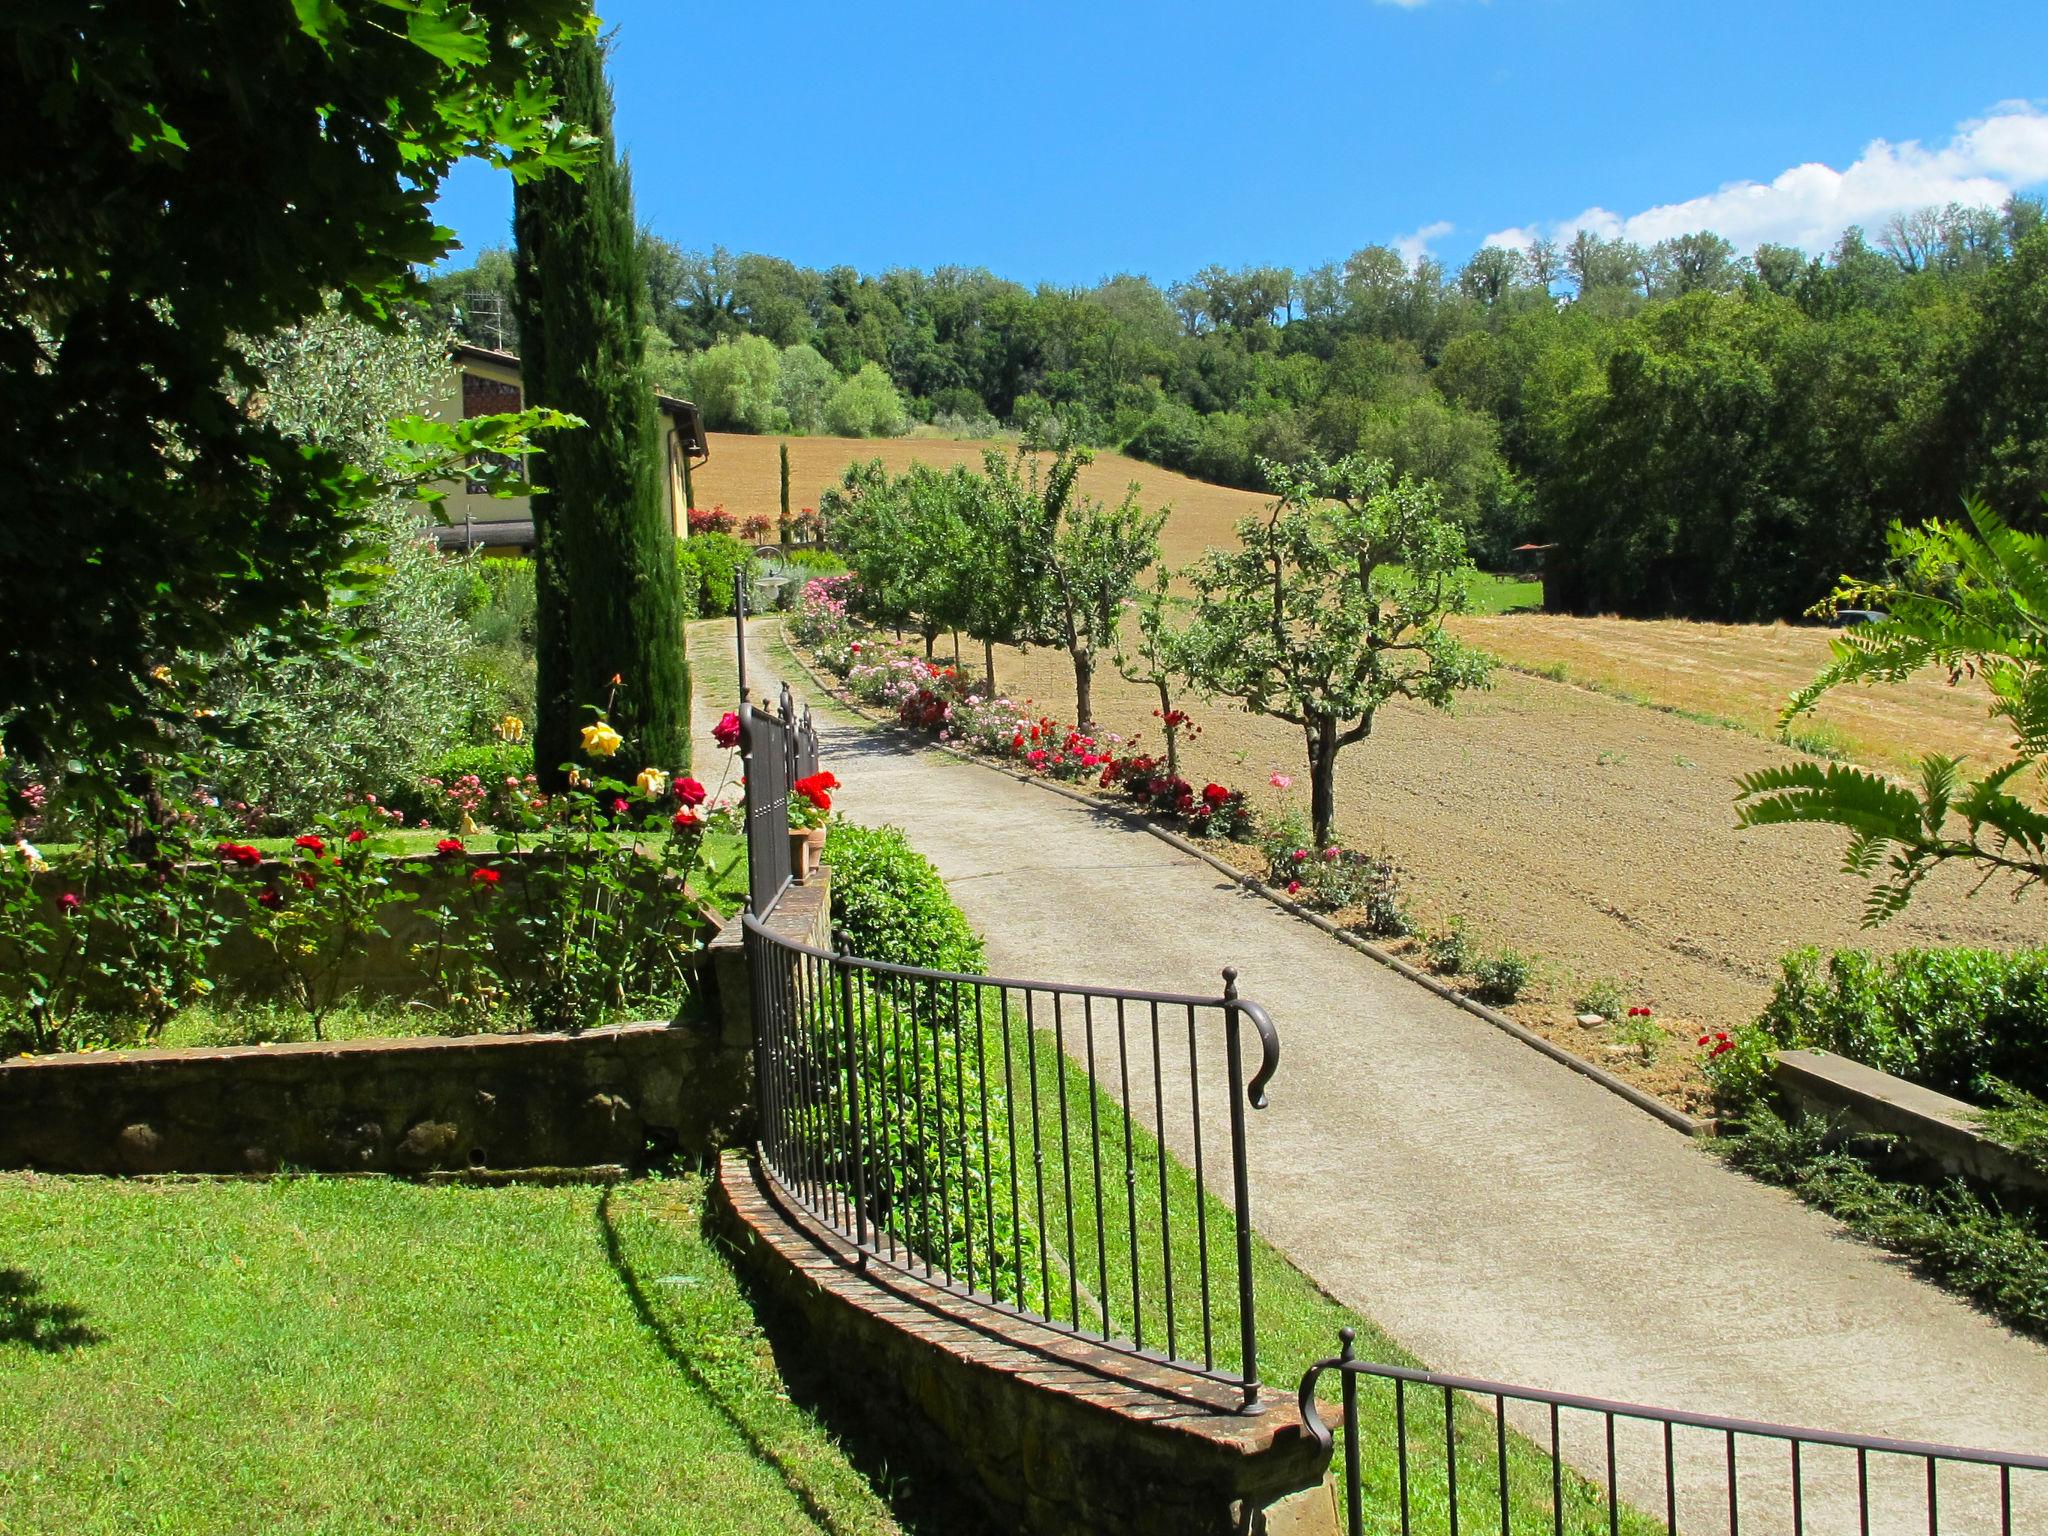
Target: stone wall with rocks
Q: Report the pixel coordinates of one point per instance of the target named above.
(627, 1095)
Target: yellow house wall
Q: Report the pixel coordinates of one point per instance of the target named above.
(476, 507)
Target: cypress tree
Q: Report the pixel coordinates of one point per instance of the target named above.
(609, 600)
(785, 493)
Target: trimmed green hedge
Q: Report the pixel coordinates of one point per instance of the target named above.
(892, 904)
(1950, 1019)
(713, 559)
(926, 1068)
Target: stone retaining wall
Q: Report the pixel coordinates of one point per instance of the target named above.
(1045, 1433)
(1939, 1133)
(625, 1095)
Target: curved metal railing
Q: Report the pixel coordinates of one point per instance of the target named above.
(1603, 1465)
(1070, 1154)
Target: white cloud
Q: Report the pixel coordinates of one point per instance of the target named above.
(1415, 245)
(1809, 205)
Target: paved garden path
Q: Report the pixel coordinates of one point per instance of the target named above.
(1495, 1212)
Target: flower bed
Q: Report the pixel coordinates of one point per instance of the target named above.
(574, 907)
(937, 701)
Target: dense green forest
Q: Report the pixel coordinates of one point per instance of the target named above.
(1700, 433)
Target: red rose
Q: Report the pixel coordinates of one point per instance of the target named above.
(727, 732)
(483, 877)
(270, 897)
(686, 820)
(70, 901)
(357, 836)
(689, 791)
(448, 847)
(310, 843)
(309, 878)
(1215, 794)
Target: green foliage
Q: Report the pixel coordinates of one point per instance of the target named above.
(734, 385)
(1500, 977)
(498, 651)
(1604, 998)
(812, 563)
(123, 924)
(1074, 558)
(169, 516)
(1450, 951)
(491, 761)
(714, 561)
(1332, 606)
(924, 1062)
(390, 684)
(1640, 1031)
(1703, 433)
(1955, 1020)
(1970, 602)
(866, 405)
(892, 905)
(804, 384)
(609, 603)
(2019, 1120)
(1957, 1234)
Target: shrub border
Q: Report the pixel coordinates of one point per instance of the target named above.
(1677, 1119)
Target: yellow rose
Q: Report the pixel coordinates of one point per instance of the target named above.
(600, 740)
(652, 783)
(511, 728)
(161, 674)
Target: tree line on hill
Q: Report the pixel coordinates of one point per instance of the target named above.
(1701, 433)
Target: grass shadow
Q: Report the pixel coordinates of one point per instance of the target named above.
(811, 1391)
(47, 1327)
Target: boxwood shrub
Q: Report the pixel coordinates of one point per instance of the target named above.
(1950, 1019)
(892, 904)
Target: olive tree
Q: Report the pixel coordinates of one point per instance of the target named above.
(1332, 608)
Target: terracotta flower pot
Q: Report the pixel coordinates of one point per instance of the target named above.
(806, 848)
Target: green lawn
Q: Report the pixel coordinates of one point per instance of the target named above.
(1504, 594)
(345, 1356)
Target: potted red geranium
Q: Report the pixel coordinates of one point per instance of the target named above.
(810, 806)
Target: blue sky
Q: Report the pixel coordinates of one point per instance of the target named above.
(1064, 142)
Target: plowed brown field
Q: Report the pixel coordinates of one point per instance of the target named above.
(1594, 835)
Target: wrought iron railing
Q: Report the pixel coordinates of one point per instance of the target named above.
(779, 747)
(1440, 1453)
(1014, 1142)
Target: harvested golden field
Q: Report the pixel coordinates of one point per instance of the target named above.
(744, 475)
(1744, 673)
